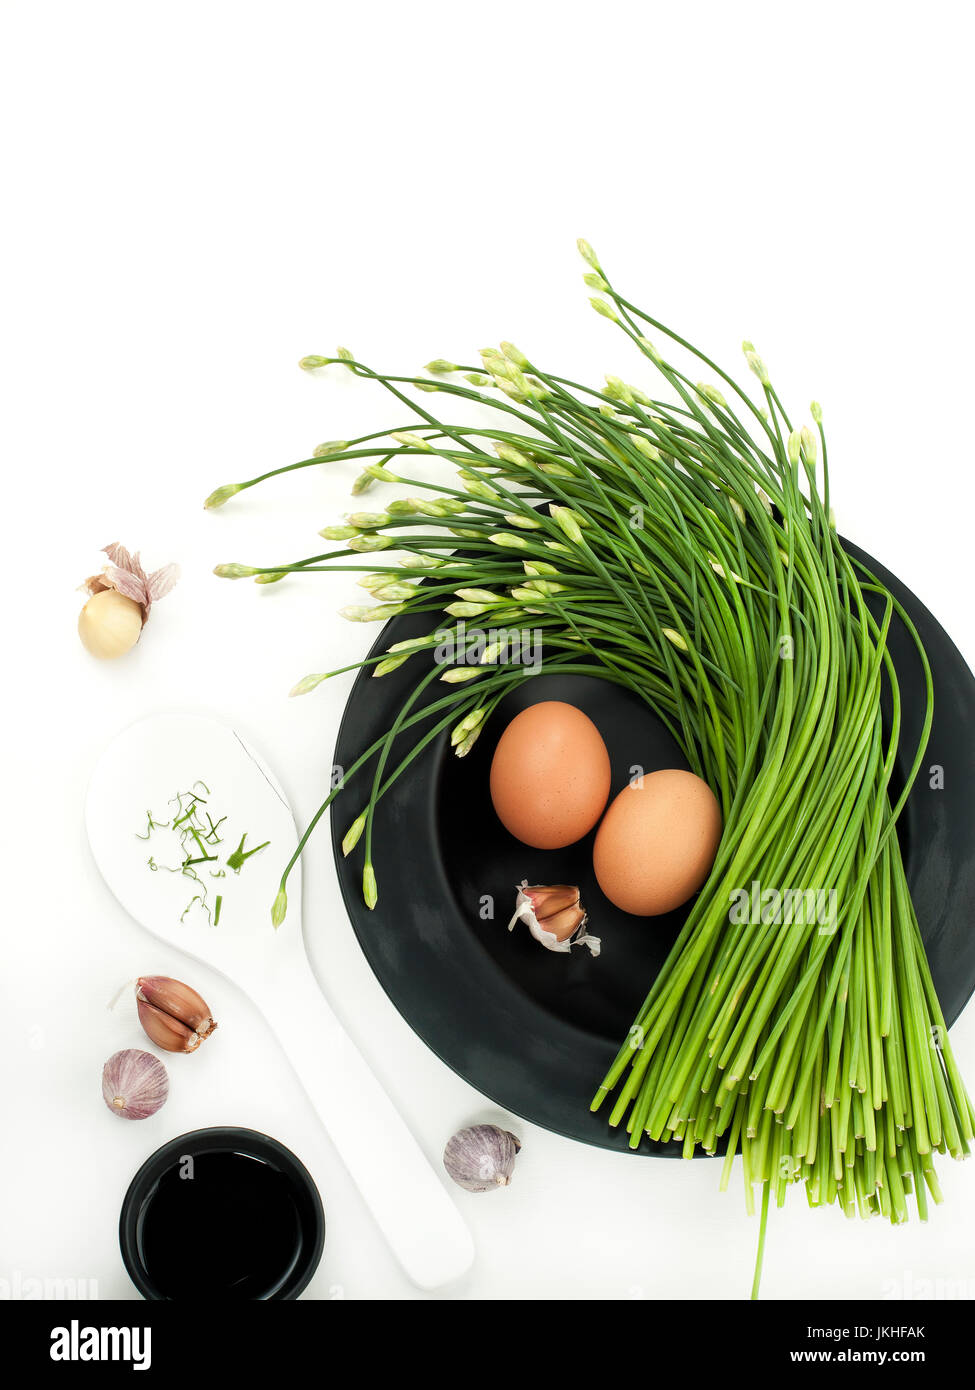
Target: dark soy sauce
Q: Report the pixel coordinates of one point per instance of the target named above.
(220, 1226)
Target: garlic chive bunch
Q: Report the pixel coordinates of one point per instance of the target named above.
(678, 540)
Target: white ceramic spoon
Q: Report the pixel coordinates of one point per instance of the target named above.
(140, 771)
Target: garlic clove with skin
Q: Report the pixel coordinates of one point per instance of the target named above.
(481, 1157)
(173, 1014)
(134, 1084)
(554, 916)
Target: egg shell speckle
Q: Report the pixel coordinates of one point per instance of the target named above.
(657, 842)
(550, 775)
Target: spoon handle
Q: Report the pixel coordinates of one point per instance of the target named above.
(410, 1204)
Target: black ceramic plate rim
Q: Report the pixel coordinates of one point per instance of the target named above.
(521, 1083)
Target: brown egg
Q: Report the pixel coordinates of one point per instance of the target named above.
(657, 842)
(550, 775)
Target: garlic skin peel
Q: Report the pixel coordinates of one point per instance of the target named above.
(554, 916)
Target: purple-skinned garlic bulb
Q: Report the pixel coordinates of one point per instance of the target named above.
(481, 1157)
(135, 1084)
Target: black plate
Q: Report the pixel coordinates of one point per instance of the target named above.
(534, 1031)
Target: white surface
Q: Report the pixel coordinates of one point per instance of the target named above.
(196, 196)
(186, 755)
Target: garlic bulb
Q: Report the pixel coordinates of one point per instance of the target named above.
(481, 1157)
(175, 1017)
(110, 624)
(554, 915)
(119, 602)
(134, 1084)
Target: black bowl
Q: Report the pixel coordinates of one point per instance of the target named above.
(279, 1185)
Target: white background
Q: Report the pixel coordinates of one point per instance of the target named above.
(195, 196)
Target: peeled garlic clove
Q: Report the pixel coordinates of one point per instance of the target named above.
(134, 1084)
(173, 1014)
(481, 1157)
(559, 930)
(109, 624)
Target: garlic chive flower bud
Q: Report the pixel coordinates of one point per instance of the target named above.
(390, 663)
(338, 533)
(367, 521)
(307, 683)
(652, 352)
(464, 748)
(469, 722)
(793, 446)
(271, 577)
(755, 362)
(506, 538)
(526, 523)
(358, 613)
(413, 644)
(808, 444)
(515, 355)
(370, 892)
(233, 571)
(477, 379)
(588, 254)
(279, 909)
(410, 440)
(309, 364)
(333, 446)
(344, 355)
(510, 454)
(365, 544)
(816, 411)
(476, 595)
(619, 390)
(594, 281)
(711, 395)
(381, 474)
(441, 367)
(603, 307)
(643, 446)
(402, 506)
(222, 495)
(675, 638)
(478, 488)
(491, 653)
(466, 610)
(353, 834)
(457, 675)
(395, 593)
(568, 521)
(536, 567)
(362, 484)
